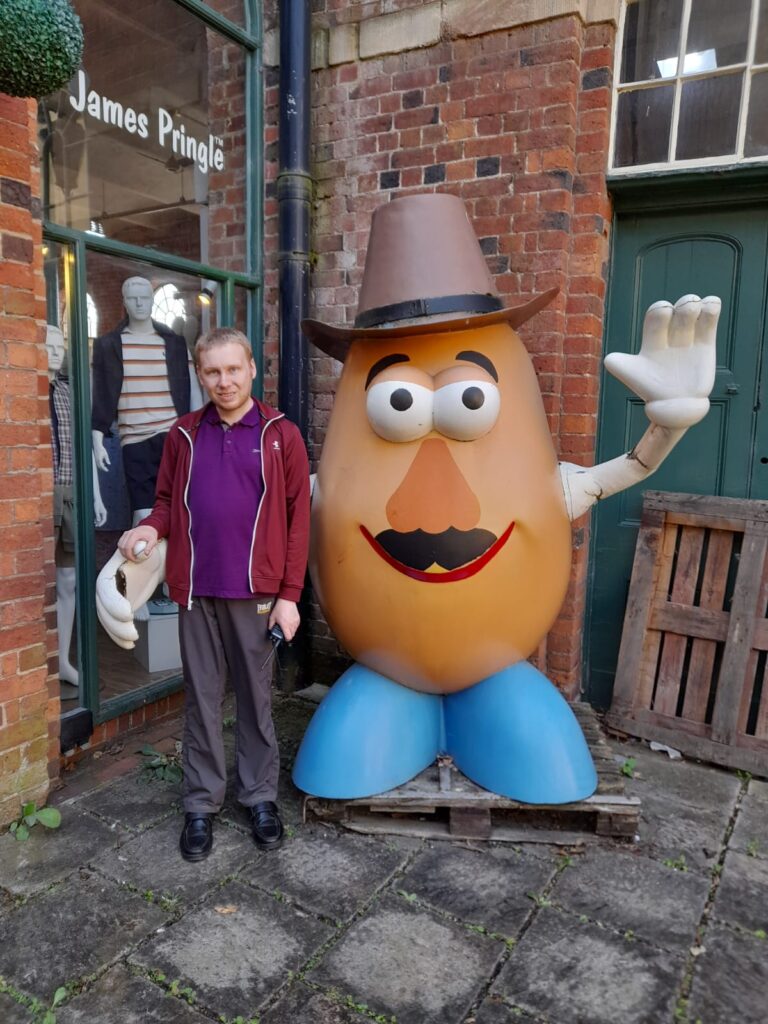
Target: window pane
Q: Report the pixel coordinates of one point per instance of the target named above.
(709, 117)
(149, 320)
(651, 35)
(756, 142)
(642, 128)
(147, 144)
(718, 27)
(61, 404)
(232, 9)
(761, 48)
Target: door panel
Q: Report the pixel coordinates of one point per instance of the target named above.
(708, 252)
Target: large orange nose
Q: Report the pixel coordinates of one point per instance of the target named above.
(433, 495)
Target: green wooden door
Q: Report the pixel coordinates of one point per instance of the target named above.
(708, 251)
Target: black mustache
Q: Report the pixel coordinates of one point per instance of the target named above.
(449, 549)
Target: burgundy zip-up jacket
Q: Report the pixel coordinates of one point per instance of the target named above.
(281, 522)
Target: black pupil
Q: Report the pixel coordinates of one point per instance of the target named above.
(401, 400)
(473, 398)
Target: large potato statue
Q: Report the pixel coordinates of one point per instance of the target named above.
(441, 544)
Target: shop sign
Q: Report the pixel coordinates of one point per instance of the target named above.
(206, 154)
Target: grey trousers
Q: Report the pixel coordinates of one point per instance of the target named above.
(221, 638)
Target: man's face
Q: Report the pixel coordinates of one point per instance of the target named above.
(138, 301)
(227, 373)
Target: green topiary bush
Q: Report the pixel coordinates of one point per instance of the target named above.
(41, 46)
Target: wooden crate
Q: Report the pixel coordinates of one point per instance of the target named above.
(692, 662)
(441, 803)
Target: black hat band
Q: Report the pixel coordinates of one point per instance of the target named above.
(412, 308)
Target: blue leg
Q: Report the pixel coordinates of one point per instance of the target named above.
(514, 734)
(367, 736)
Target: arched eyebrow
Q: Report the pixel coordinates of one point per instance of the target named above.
(382, 364)
(481, 360)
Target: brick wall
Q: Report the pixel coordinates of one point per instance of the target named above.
(473, 99)
(28, 694)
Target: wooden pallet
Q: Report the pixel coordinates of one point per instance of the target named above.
(694, 648)
(441, 803)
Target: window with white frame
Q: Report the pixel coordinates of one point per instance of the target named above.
(93, 316)
(168, 305)
(692, 84)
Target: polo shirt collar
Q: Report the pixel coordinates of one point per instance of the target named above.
(251, 419)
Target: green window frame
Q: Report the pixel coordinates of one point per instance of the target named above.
(76, 245)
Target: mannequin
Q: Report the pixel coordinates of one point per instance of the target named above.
(61, 435)
(142, 377)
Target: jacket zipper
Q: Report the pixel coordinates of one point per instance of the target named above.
(189, 516)
(261, 502)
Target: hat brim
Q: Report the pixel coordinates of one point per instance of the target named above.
(335, 341)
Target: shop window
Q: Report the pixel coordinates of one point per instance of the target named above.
(146, 144)
(134, 402)
(147, 172)
(691, 88)
(234, 10)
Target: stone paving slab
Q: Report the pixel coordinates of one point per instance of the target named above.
(13, 1012)
(70, 932)
(134, 802)
(686, 782)
(582, 974)
(750, 833)
(495, 1011)
(630, 892)
(407, 963)
(669, 829)
(730, 979)
(326, 871)
(120, 997)
(484, 888)
(742, 896)
(152, 861)
(49, 855)
(302, 1005)
(236, 950)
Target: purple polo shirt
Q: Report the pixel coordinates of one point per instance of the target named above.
(225, 489)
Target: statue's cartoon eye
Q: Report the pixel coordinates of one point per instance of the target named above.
(399, 410)
(466, 409)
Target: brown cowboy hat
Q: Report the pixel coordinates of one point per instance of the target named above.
(424, 273)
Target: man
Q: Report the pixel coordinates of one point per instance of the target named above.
(233, 502)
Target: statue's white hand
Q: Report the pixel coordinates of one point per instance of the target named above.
(674, 372)
(122, 586)
(99, 451)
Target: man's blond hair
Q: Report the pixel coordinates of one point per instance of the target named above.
(220, 336)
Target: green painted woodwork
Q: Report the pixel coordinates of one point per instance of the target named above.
(712, 249)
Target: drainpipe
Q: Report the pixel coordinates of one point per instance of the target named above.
(294, 196)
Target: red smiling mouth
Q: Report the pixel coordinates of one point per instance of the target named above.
(463, 572)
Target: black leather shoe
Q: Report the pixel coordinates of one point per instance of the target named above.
(196, 840)
(266, 827)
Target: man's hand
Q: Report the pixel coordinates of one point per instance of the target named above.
(127, 543)
(286, 615)
(674, 371)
